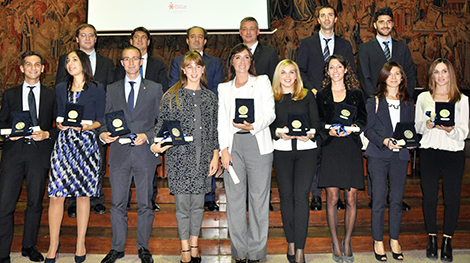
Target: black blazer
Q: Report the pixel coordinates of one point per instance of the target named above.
(266, 60)
(379, 127)
(326, 110)
(155, 72)
(372, 58)
(311, 63)
(104, 72)
(12, 100)
(93, 98)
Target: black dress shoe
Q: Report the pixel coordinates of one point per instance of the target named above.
(431, 249)
(145, 256)
(99, 209)
(243, 260)
(370, 204)
(5, 260)
(271, 208)
(112, 256)
(340, 205)
(446, 249)
(32, 253)
(155, 206)
(128, 206)
(253, 261)
(405, 207)
(72, 211)
(316, 203)
(211, 206)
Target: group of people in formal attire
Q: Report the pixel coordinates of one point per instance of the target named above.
(323, 80)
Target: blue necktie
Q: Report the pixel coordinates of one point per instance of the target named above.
(130, 98)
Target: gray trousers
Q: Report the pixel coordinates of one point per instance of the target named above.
(254, 171)
(120, 178)
(189, 214)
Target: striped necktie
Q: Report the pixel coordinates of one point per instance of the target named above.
(326, 51)
(387, 50)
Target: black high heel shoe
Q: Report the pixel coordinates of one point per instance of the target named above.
(395, 255)
(52, 260)
(431, 249)
(195, 259)
(446, 249)
(381, 258)
(80, 259)
(290, 258)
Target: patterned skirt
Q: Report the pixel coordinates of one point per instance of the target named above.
(75, 165)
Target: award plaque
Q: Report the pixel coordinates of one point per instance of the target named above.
(445, 112)
(405, 132)
(297, 124)
(344, 114)
(73, 115)
(21, 124)
(172, 129)
(116, 123)
(244, 110)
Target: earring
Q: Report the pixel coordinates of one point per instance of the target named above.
(203, 72)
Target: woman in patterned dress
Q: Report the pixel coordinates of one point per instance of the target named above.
(190, 166)
(75, 160)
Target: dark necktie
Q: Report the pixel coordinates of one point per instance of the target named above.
(142, 68)
(387, 50)
(130, 98)
(32, 106)
(326, 51)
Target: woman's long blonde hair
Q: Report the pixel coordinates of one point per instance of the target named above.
(299, 92)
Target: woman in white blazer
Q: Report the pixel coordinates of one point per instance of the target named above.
(247, 147)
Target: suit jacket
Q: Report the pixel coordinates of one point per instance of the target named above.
(155, 72)
(262, 93)
(379, 127)
(142, 120)
(326, 110)
(93, 98)
(372, 58)
(12, 100)
(214, 71)
(266, 60)
(104, 72)
(311, 63)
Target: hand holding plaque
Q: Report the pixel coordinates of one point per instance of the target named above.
(244, 110)
(22, 124)
(297, 124)
(116, 123)
(172, 129)
(445, 112)
(344, 114)
(73, 115)
(405, 134)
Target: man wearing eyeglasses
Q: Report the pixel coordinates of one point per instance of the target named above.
(103, 72)
(139, 99)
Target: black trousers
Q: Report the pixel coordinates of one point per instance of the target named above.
(16, 167)
(294, 173)
(450, 165)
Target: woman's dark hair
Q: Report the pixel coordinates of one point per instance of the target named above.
(350, 79)
(231, 70)
(86, 65)
(382, 84)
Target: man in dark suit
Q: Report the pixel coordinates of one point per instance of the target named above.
(26, 157)
(266, 58)
(140, 100)
(103, 72)
(375, 53)
(314, 50)
(152, 69)
(196, 39)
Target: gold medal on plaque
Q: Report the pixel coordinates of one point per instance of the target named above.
(345, 113)
(408, 134)
(444, 113)
(175, 132)
(243, 110)
(296, 124)
(73, 114)
(117, 123)
(20, 125)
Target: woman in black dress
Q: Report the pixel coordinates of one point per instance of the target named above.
(294, 156)
(342, 165)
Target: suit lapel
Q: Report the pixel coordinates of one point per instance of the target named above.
(258, 51)
(99, 65)
(385, 114)
(149, 68)
(379, 50)
(43, 102)
(140, 97)
(317, 44)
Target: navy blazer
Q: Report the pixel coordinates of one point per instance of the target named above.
(104, 72)
(371, 59)
(93, 98)
(214, 72)
(379, 127)
(266, 60)
(326, 110)
(155, 72)
(311, 63)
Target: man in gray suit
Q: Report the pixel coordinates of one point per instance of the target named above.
(140, 100)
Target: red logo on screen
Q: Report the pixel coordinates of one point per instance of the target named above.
(172, 6)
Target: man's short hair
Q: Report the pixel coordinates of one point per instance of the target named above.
(385, 11)
(140, 29)
(28, 54)
(249, 18)
(191, 28)
(80, 27)
(327, 6)
(131, 47)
